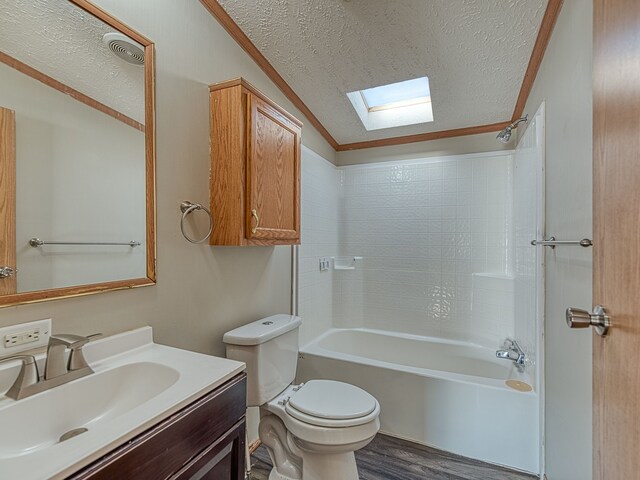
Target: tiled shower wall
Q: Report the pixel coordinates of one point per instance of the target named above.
(320, 201)
(435, 240)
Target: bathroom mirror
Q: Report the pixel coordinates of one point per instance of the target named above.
(77, 152)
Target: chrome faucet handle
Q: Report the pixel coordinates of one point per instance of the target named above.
(28, 375)
(512, 351)
(511, 344)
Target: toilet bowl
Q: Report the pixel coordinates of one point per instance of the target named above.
(311, 430)
(323, 422)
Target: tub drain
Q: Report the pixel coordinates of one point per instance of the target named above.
(72, 433)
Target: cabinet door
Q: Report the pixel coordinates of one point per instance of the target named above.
(223, 460)
(273, 174)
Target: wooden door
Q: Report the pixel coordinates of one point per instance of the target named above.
(273, 174)
(7, 198)
(616, 273)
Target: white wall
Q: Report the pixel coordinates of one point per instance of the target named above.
(80, 178)
(564, 81)
(202, 291)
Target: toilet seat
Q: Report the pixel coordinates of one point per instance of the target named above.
(327, 403)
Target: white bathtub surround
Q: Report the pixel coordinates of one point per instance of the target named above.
(319, 229)
(422, 228)
(492, 303)
(447, 273)
(446, 394)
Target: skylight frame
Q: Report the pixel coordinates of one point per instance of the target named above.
(399, 104)
(397, 94)
(398, 112)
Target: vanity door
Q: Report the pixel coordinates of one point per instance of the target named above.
(223, 460)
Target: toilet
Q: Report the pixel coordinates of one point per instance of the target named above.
(311, 430)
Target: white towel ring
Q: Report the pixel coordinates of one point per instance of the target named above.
(186, 208)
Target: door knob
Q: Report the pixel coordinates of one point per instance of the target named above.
(599, 319)
(6, 272)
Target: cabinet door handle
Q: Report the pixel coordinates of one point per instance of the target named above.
(6, 272)
(254, 214)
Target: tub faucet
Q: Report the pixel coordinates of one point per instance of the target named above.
(512, 351)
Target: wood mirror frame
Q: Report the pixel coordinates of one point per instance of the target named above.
(150, 157)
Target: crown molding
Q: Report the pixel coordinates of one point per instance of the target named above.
(424, 137)
(542, 40)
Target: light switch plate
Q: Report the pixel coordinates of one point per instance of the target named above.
(24, 336)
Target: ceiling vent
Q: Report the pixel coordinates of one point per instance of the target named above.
(124, 48)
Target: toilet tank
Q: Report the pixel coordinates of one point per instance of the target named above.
(269, 347)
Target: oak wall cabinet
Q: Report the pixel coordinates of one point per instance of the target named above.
(255, 168)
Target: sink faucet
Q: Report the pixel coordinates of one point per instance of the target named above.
(512, 351)
(58, 344)
(57, 370)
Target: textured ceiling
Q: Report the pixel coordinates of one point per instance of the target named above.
(63, 41)
(475, 53)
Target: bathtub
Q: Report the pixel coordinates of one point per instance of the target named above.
(446, 394)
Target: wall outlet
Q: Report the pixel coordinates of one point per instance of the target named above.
(20, 338)
(24, 336)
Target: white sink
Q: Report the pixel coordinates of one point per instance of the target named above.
(86, 403)
(136, 384)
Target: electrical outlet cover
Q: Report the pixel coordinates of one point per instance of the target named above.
(42, 327)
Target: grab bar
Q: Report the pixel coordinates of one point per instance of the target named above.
(552, 242)
(36, 242)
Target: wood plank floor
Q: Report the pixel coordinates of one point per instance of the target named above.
(389, 458)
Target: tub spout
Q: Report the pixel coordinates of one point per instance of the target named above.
(512, 351)
(507, 354)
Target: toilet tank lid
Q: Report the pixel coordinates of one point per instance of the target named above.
(260, 331)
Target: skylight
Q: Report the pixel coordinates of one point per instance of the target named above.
(394, 105)
(399, 94)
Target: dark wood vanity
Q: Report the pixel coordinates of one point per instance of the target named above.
(205, 440)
